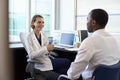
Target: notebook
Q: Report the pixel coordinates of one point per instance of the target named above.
(66, 40)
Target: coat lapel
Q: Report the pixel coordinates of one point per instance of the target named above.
(35, 40)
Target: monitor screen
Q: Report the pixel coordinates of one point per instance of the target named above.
(67, 39)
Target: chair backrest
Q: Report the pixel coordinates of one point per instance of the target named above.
(104, 72)
(23, 38)
(29, 66)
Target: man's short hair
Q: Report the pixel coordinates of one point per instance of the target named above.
(100, 16)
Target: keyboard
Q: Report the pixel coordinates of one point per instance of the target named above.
(63, 46)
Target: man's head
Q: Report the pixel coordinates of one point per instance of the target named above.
(97, 19)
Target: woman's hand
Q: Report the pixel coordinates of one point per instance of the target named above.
(50, 47)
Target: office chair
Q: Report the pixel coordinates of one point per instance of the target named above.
(104, 72)
(30, 65)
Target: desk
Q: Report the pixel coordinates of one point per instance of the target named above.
(19, 62)
(64, 53)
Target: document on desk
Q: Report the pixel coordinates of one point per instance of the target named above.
(72, 49)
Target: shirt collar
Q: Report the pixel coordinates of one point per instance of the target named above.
(100, 32)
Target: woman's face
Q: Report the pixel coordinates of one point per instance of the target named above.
(39, 24)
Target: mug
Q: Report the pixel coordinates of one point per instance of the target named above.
(77, 44)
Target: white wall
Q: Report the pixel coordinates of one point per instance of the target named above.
(67, 15)
(117, 36)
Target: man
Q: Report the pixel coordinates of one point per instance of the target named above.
(99, 48)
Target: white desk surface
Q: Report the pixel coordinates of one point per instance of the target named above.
(72, 49)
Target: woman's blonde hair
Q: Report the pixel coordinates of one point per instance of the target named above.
(34, 19)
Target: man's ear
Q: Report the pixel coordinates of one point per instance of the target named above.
(93, 22)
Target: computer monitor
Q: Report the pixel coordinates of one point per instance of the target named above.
(84, 34)
(67, 39)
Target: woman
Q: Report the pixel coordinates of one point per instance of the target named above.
(39, 49)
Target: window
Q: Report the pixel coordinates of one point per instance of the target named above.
(17, 19)
(111, 6)
(20, 16)
(42, 7)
